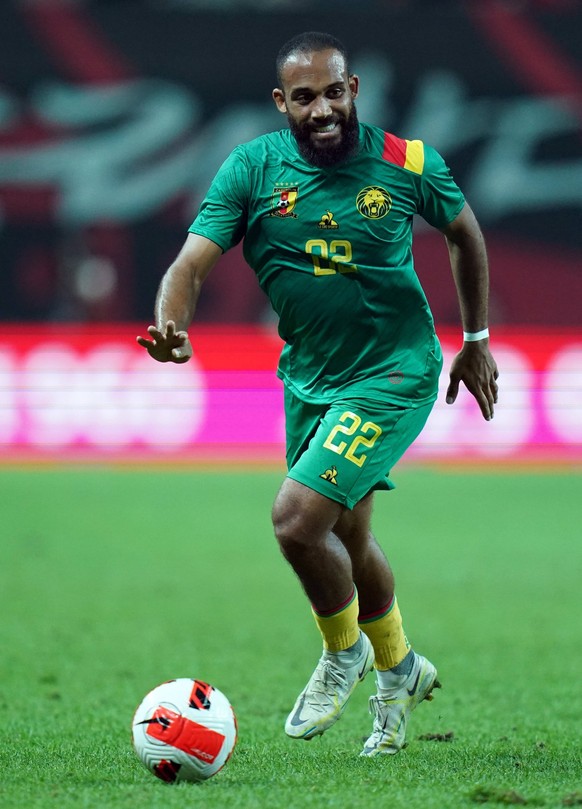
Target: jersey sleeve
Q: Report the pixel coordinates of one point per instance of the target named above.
(222, 215)
(441, 199)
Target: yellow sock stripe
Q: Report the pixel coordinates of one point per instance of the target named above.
(387, 637)
(340, 629)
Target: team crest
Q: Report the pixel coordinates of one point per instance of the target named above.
(328, 222)
(283, 201)
(373, 202)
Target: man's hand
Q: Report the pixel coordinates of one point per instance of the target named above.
(168, 345)
(475, 366)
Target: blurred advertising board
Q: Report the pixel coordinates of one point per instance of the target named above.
(91, 393)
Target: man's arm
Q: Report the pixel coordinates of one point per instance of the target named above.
(176, 300)
(474, 364)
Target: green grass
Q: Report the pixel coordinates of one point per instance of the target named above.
(113, 580)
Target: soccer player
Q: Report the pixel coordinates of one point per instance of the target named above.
(325, 208)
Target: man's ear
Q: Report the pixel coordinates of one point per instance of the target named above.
(279, 99)
(354, 83)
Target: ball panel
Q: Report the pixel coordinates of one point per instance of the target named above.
(167, 770)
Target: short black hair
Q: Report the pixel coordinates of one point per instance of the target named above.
(308, 42)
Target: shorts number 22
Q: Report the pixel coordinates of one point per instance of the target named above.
(365, 435)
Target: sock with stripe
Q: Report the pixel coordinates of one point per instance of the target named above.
(339, 626)
(384, 628)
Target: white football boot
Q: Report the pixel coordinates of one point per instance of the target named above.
(322, 701)
(392, 707)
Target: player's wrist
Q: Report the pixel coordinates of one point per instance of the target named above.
(475, 336)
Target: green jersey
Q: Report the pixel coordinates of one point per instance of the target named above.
(332, 249)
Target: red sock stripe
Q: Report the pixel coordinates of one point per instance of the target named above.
(335, 610)
(373, 616)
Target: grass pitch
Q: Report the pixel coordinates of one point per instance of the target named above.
(114, 580)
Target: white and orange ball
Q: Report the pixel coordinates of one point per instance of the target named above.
(184, 730)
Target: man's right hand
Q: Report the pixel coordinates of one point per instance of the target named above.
(168, 345)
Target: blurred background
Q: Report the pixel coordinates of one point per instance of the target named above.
(114, 117)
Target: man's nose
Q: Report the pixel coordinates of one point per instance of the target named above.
(321, 108)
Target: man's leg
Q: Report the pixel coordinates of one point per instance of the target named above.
(370, 569)
(303, 519)
(403, 677)
(322, 516)
(379, 615)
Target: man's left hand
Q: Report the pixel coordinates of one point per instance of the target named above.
(475, 367)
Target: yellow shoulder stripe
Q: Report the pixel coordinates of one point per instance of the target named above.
(414, 156)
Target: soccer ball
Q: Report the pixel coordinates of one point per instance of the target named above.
(184, 730)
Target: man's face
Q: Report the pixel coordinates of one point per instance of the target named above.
(318, 98)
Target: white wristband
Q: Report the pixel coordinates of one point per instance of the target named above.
(473, 336)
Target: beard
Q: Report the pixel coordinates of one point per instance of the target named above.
(325, 155)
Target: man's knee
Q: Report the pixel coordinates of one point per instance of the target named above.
(302, 518)
(289, 524)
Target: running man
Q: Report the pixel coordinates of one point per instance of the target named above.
(325, 209)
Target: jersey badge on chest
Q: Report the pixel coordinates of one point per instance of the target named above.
(283, 201)
(328, 222)
(373, 202)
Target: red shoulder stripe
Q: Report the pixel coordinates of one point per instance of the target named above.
(394, 149)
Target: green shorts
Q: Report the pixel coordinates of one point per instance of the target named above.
(346, 450)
